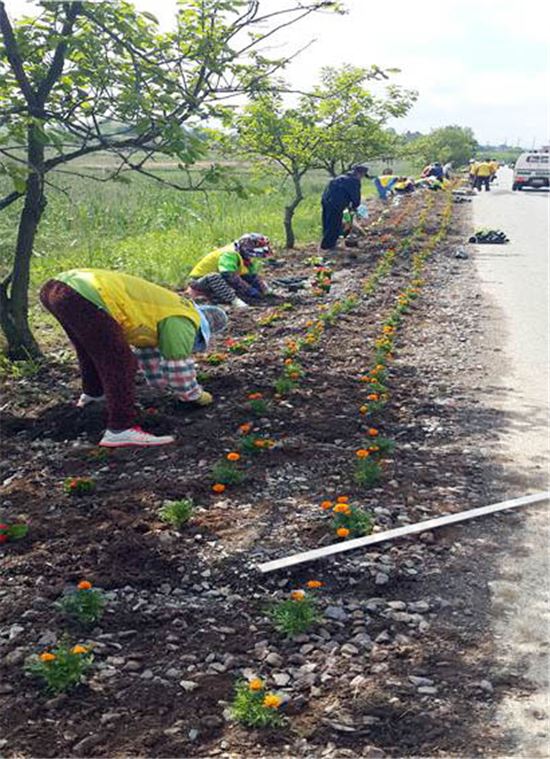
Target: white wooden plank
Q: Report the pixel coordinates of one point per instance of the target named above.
(399, 532)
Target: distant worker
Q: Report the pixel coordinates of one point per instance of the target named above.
(340, 193)
(404, 186)
(472, 172)
(385, 183)
(104, 313)
(494, 168)
(434, 169)
(484, 171)
(230, 275)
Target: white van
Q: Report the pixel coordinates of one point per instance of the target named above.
(532, 169)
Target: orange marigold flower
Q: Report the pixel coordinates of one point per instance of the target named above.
(342, 532)
(373, 397)
(363, 409)
(372, 431)
(362, 453)
(341, 508)
(342, 499)
(272, 701)
(365, 378)
(314, 584)
(84, 585)
(298, 595)
(259, 443)
(255, 396)
(78, 649)
(288, 361)
(218, 487)
(326, 505)
(245, 428)
(47, 657)
(233, 456)
(255, 684)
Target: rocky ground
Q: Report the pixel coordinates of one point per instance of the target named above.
(399, 663)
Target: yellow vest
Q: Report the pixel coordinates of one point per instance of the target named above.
(385, 179)
(484, 169)
(209, 264)
(137, 305)
(473, 168)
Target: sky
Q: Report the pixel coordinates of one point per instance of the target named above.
(478, 63)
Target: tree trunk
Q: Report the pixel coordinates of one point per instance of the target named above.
(14, 290)
(289, 210)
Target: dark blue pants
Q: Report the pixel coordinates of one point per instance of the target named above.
(332, 224)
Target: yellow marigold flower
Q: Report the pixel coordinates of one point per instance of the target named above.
(309, 324)
(363, 409)
(342, 532)
(84, 585)
(78, 649)
(342, 498)
(373, 448)
(47, 657)
(362, 453)
(379, 367)
(233, 456)
(326, 505)
(298, 595)
(341, 508)
(272, 701)
(314, 584)
(255, 684)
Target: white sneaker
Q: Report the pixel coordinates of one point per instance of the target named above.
(238, 303)
(134, 436)
(85, 399)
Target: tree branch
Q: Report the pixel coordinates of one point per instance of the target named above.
(14, 58)
(58, 61)
(9, 199)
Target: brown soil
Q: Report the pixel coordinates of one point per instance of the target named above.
(181, 602)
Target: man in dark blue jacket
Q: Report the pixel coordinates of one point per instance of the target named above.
(340, 193)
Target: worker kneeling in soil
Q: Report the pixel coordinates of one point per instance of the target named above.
(230, 275)
(106, 312)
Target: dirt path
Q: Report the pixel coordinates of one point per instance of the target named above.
(515, 278)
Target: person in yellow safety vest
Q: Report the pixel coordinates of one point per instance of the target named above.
(231, 275)
(494, 168)
(107, 313)
(483, 175)
(404, 186)
(472, 171)
(384, 183)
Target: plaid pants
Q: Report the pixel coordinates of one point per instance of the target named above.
(220, 288)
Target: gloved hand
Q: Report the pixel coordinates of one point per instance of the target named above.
(204, 399)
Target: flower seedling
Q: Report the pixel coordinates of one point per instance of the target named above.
(283, 385)
(367, 472)
(15, 531)
(257, 404)
(240, 346)
(254, 444)
(79, 485)
(294, 615)
(227, 473)
(215, 359)
(62, 668)
(85, 604)
(253, 706)
(350, 521)
(177, 513)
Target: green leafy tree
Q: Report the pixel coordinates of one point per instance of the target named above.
(360, 131)
(81, 78)
(451, 143)
(314, 132)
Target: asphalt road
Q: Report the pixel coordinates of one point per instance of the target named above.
(515, 277)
